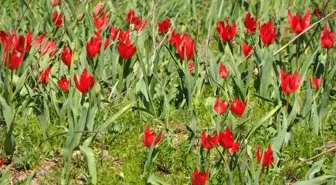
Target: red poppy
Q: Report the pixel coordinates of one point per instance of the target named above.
(85, 83)
(220, 106)
(191, 66)
(247, 49)
(54, 2)
(126, 49)
(185, 47)
(149, 137)
(66, 56)
(93, 45)
(57, 19)
(268, 156)
(164, 26)
(226, 32)
(250, 23)
(267, 33)
(209, 142)
(238, 107)
(297, 23)
(327, 38)
(289, 83)
(223, 71)
(64, 84)
(98, 9)
(44, 76)
(199, 178)
(101, 22)
(315, 82)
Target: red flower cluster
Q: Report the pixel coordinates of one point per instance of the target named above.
(237, 107)
(226, 32)
(268, 156)
(199, 178)
(138, 23)
(15, 47)
(184, 46)
(289, 83)
(149, 137)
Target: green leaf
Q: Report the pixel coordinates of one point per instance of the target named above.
(107, 123)
(88, 153)
(317, 181)
(7, 112)
(152, 179)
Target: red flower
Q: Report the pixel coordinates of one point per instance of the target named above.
(226, 139)
(164, 26)
(209, 142)
(223, 71)
(66, 56)
(317, 12)
(238, 107)
(226, 33)
(98, 9)
(63, 84)
(114, 32)
(247, 49)
(220, 106)
(85, 83)
(15, 60)
(250, 23)
(24, 43)
(131, 18)
(185, 47)
(149, 137)
(289, 83)
(268, 156)
(130, 15)
(327, 38)
(174, 37)
(44, 76)
(267, 33)
(235, 147)
(126, 49)
(2, 161)
(55, 2)
(93, 46)
(315, 82)
(139, 24)
(124, 35)
(297, 23)
(48, 47)
(101, 22)
(38, 40)
(199, 178)
(57, 19)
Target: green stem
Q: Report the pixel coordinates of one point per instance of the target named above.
(297, 53)
(326, 67)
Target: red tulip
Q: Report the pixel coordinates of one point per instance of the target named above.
(191, 66)
(250, 23)
(131, 18)
(223, 71)
(55, 2)
(48, 47)
(93, 45)
(57, 19)
(66, 56)
(289, 83)
(209, 142)
(24, 43)
(238, 107)
(63, 84)
(164, 26)
(101, 22)
(247, 49)
(235, 147)
(174, 37)
(130, 15)
(317, 12)
(268, 156)
(226, 33)
(185, 47)
(139, 24)
(327, 38)
(267, 33)
(226, 139)
(149, 137)
(126, 49)
(85, 83)
(199, 178)
(38, 40)
(44, 76)
(114, 32)
(124, 35)
(220, 106)
(15, 60)
(315, 82)
(297, 23)
(98, 9)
